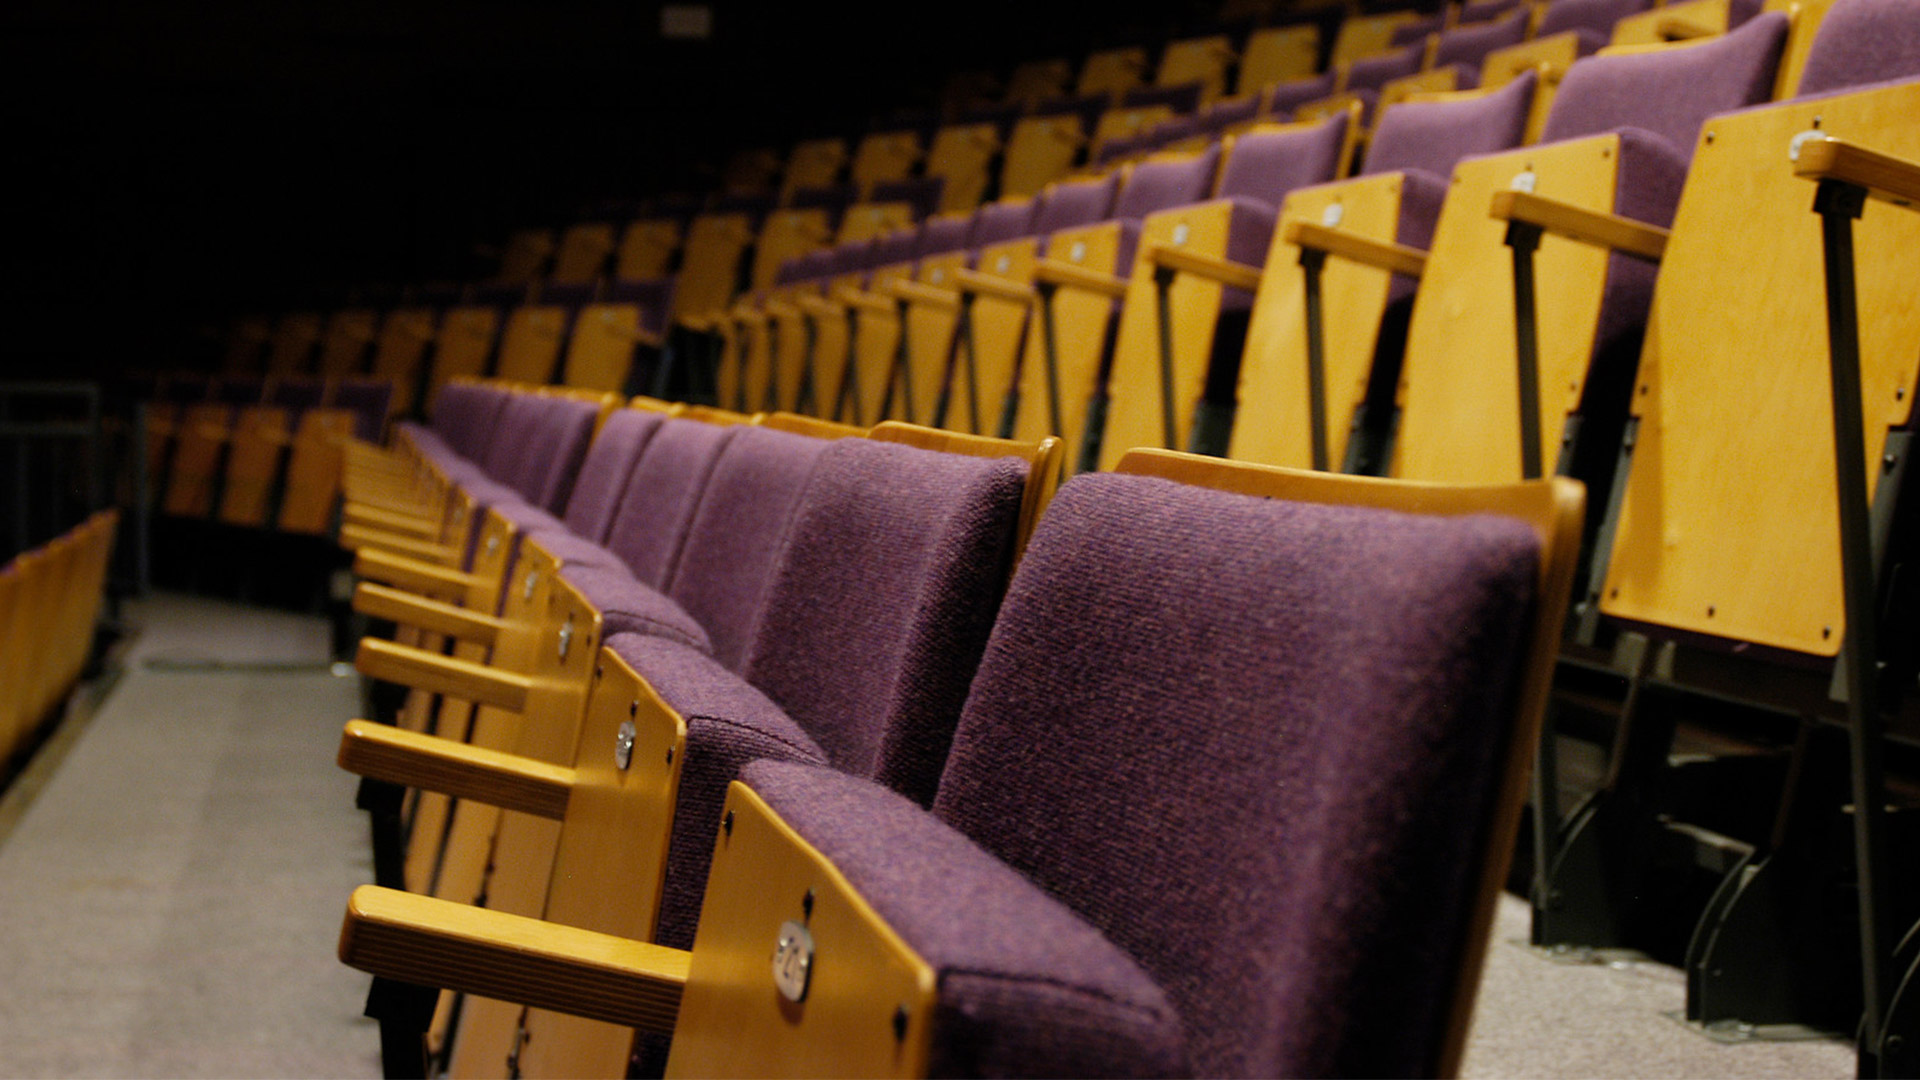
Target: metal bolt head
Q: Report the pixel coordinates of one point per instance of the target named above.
(623, 745)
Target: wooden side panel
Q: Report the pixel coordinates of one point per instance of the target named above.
(1729, 526)
(715, 245)
(1698, 17)
(646, 249)
(870, 221)
(254, 457)
(930, 331)
(1112, 71)
(1200, 60)
(583, 253)
(343, 346)
(196, 459)
(962, 156)
(1368, 35)
(1459, 390)
(290, 350)
(1277, 54)
(530, 343)
(1040, 151)
(400, 350)
(785, 235)
(600, 352)
(1080, 323)
(611, 865)
(464, 343)
(733, 1022)
(887, 155)
(812, 164)
(788, 350)
(525, 255)
(1001, 331)
(1271, 426)
(1133, 416)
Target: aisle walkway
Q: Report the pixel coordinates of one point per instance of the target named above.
(169, 901)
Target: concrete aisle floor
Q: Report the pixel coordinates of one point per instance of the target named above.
(170, 898)
(171, 894)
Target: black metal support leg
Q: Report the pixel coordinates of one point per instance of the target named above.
(1313, 264)
(1525, 240)
(1163, 296)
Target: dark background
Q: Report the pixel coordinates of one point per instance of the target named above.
(175, 163)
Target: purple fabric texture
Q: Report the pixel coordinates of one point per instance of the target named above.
(1157, 185)
(738, 532)
(651, 525)
(729, 723)
(1249, 236)
(1485, 10)
(939, 235)
(481, 422)
(1470, 44)
(1861, 42)
(1433, 135)
(1415, 31)
(1265, 166)
(1070, 205)
(572, 549)
(1255, 743)
(881, 603)
(566, 432)
(628, 607)
(1376, 71)
(1595, 15)
(1222, 115)
(1000, 221)
(1282, 98)
(606, 470)
(1647, 188)
(1669, 92)
(1026, 986)
(506, 457)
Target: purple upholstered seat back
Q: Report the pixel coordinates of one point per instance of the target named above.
(504, 448)
(1467, 46)
(1432, 136)
(1415, 30)
(1376, 71)
(941, 234)
(474, 426)
(1266, 165)
(1001, 221)
(896, 246)
(1256, 744)
(882, 600)
(1222, 115)
(1481, 11)
(565, 433)
(1861, 42)
(1594, 15)
(738, 532)
(651, 525)
(1282, 98)
(1071, 204)
(1158, 185)
(1671, 91)
(607, 469)
(368, 399)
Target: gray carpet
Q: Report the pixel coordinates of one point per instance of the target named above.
(171, 892)
(170, 899)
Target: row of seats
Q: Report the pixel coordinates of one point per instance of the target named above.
(1619, 281)
(50, 600)
(791, 639)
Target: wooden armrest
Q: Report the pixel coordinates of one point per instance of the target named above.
(411, 609)
(437, 674)
(1395, 258)
(1067, 275)
(744, 312)
(431, 763)
(973, 281)
(821, 307)
(781, 309)
(432, 942)
(1612, 231)
(393, 521)
(1674, 28)
(1236, 275)
(614, 329)
(1896, 180)
(916, 292)
(700, 322)
(429, 579)
(355, 537)
(860, 298)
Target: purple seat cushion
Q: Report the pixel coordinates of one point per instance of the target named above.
(1069, 205)
(738, 532)
(1434, 135)
(1267, 165)
(627, 606)
(572, 549)
(662, 492)
(1026, 986)
(606, 470)
(881, 603)
(1256, 744)
(1671, 91)
(1861, 42)
(729, 723)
